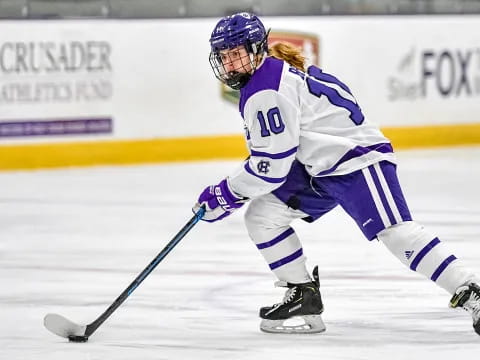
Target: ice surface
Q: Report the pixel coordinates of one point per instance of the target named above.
(72, 240)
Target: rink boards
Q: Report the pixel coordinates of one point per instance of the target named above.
(87, 92)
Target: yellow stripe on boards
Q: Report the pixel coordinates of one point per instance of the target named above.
(433, 136)
(35, 156)
(121, 152)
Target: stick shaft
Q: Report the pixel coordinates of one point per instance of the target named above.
(138, 280)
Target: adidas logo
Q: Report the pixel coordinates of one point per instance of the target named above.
(367, 222)
(408, 254)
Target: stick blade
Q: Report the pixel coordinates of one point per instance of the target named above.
(63, 327)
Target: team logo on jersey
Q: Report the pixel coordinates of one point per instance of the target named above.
(263, 167)
(309, 43)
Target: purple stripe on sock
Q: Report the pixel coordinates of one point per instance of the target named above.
(386, 206)
(442, 267)
(264, 178)
(277, 239)
(281, 155)
(286, 259)
(423, 252)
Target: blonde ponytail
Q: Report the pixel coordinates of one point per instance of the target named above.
(288, 53)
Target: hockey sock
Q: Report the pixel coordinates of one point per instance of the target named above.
(283, 252)
(425, 254)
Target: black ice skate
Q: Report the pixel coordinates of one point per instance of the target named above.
(299, 312)
(468, 298)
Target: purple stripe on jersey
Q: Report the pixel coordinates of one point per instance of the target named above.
(266, 77)
(264, 178)
(317, 73)
(358, 151)
(386, 206)
(286, 259)
(277, 239)
(281, 155)
(423, 252)
(442, 267)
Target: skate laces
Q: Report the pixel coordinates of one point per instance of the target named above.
(472, 305)
(289, 295)
(468, 297)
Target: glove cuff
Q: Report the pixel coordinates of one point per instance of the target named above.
(225, 184)
(226, 197)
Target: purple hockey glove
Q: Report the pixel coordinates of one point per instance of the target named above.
(219, 201)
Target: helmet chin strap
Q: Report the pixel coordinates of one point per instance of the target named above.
(237, 80)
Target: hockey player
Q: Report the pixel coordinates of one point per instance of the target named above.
(311, 149)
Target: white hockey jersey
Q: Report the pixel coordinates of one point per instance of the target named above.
(311, 117)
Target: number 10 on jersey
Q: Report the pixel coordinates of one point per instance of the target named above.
(273, 124)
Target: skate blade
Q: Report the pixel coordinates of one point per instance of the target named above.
(306, 324)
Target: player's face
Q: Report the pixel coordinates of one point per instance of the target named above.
(236, 60)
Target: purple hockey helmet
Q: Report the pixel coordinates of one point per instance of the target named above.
(230, 32)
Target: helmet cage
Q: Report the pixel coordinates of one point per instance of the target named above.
(232, 32)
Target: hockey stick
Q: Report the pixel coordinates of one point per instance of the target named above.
(63, 327)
